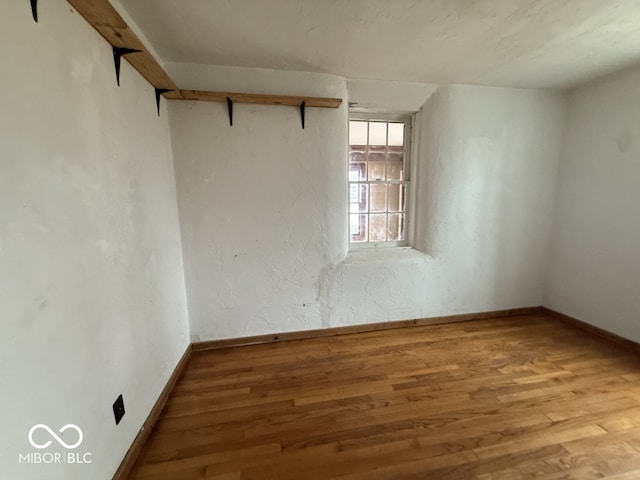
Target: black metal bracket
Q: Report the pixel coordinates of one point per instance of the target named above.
(159, 92)
(118, 53)
(34, 10)
(230, 109)
(302, 107)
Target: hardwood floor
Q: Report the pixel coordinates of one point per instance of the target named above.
(508, 399)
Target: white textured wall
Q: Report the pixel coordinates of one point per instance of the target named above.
(92, 297)
(484, 181)
(391, 97)
(594, 267)
(262, 208)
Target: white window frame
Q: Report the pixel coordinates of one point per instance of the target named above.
(407, 119)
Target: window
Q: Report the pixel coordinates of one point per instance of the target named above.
(378, 180)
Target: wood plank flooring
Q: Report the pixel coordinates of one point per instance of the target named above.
(507, 399)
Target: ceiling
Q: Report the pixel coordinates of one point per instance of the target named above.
(518, 43)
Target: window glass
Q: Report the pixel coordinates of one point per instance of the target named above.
(378, 181)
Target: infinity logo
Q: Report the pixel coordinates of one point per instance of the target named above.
(56, 437)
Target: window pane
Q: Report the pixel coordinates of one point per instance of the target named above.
(376, 157)
(356, 157)
(378, 227)
(378, 198)
(376, 165)
(358, 197)
(377, 135)
(396, 134)
(358, 228)
(395, 226)
(356, 174)
(357, 133)
(395, 166)
(397, 194)
(378, 180)
(357, 166)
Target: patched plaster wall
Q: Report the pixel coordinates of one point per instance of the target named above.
(484, 175)
(92, 285)
(262, 206)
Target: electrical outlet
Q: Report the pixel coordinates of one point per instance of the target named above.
(118, 409)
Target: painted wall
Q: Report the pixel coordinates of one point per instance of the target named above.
(390, 97)
(262, 207)
(92, 296)
(484, 188)
(594, 267)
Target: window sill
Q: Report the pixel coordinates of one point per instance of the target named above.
(363, 255)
